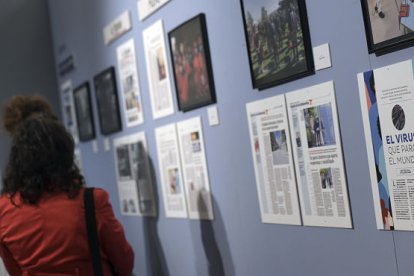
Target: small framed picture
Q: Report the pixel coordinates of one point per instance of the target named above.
(389, 25)
(278, 41)
(191, 64)
(84, 114)
(107, 101)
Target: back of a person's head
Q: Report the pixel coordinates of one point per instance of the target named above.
(21, 107)
(41, 157)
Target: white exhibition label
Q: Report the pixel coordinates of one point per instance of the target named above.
(117, 28)
(170, 170)
(213, 116)
(68, 105)
(394, 87)
(147, 7)
(317, 151)
(194, 164)
(128, 75)
(273, 162)
(157, 71)
(135, 185)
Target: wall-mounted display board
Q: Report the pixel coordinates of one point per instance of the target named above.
(117, 28)
(68, 106)
(194, 164)
(191, 62)
(317, 150)
(84, 114)
(273, 161)
(157, 71)
(392, 110)
(136, 194)
(170, 170)
(128, 76)
(389, 25)
(278, 41)
(107, 101)
(147, 7)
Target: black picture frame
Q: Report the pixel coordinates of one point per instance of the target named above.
(398, 33)
(84, 113)
(278, 41)
(191, 62)
(106, 94)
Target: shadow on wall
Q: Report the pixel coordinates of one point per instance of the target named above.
(156, 262)
(215, 243)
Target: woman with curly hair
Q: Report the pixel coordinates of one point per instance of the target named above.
(42, 213)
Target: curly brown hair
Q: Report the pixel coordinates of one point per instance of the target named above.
(21, 107)
(41, 158)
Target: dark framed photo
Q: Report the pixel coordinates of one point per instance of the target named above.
(389, 25)
(278, 41)
(107, 101)
(194, 83)
(84, 114)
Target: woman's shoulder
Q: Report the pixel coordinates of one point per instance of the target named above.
(100, 194)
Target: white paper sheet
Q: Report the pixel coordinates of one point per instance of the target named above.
(68, 105)
(170, 170)
(135, 185)
(117, 27)
(394, 87)
(317, 151)
(128, 76)
(157, 71)
(147, 7)
(273, 161)
(194, 164)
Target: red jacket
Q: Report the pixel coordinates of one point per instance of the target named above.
(51, 238)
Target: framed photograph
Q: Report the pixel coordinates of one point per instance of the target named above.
(107, 101)
(84, 114)
(278, 41)
(190, 54)
(389, 25)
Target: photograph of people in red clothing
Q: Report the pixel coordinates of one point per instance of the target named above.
(278, 41)
(191, 64)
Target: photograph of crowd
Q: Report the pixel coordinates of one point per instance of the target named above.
(278, 41)
(319, 126)
(191, 64)
(389, 24)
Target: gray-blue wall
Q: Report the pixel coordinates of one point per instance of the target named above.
(26, 56)
(236, 241)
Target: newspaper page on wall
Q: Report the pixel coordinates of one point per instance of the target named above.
(194, 163)
(128, 76)
(157, 71)
(273, 161)
(147, 7)
(135, 185)
(394, 87)
(170, 171)
(68, 105)
(317, 151)
(375, 151)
